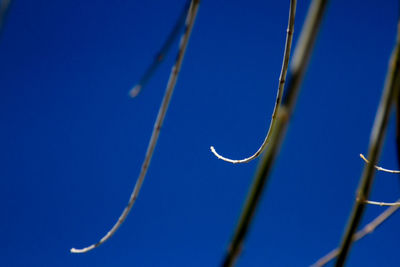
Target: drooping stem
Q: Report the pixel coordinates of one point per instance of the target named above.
(390, 91)
(282, 79)
(191, 16)
(297, 71)
(367, 229)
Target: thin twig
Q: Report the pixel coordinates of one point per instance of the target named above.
(390, 91)
(382, 203)
(282, 79)
(162, 53)
(298, 67)
(191, 16)
(368, 229)
(379, 168)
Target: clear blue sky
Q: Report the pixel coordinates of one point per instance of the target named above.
(72, 141)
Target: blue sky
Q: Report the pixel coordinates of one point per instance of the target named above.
(72, 141)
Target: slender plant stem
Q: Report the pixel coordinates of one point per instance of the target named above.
(375, 145)
(158, 59)
(368, 229)
(379, 168)
(297, 71)
(282, 79)
(398, 126)
(191, 16)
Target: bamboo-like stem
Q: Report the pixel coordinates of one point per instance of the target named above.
(367, 229)
(297, 71)
(377, 167)
(162, 53)
(4, 7)
(191, 16)
(390, 91)
(278, 100)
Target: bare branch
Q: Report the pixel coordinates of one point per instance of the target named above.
(379, 168)
(368, 229)
(298, 67)
(191, 16)
(390, 91)
(282, 78)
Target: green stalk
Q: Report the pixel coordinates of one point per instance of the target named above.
(368, 229)
(390, 91)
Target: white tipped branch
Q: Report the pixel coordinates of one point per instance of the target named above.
(377, 167)
(388, 204)
(191, 16)
(282, 79)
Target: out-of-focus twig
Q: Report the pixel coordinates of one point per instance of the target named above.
(367, 229)
(162, 53)
(282, 79)
(4, 8)
(191, 16)
(391, 89)
(297, 71)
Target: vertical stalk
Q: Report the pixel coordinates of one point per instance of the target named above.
(368, 229)
(390, 91)
(297, 71)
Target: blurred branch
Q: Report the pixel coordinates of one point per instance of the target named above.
(4, 8)
(158, 59)
(368, 229)
(191, 16)
(282, 78)
(390, 91)
(297, 71)
(379, 168)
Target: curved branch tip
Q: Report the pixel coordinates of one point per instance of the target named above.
(238, 161)
(377, 167)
